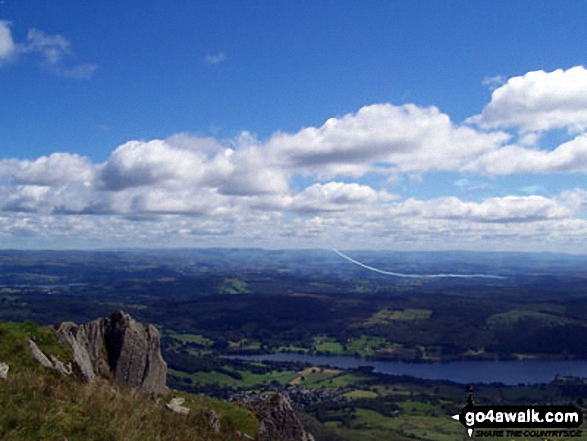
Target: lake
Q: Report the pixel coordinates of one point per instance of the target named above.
(465, 372)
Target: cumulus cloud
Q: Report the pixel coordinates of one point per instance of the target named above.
(336, 196)
(178, 164)
(58, 168)
(381, 137)
(570, 157)
(539, 101)
(497, 209)
(138, 163)
(7, 46)
(188, 190)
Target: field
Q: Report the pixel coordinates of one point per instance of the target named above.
(213, 303)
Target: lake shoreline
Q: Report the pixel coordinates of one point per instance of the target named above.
(510, 372)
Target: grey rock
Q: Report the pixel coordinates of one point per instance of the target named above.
(134, 354)
(4, 371)
(120, 347)
(62, 368)
(176, 406)
(213, 421)
(39, 356)
(53, 363)
(75, 337)
(277, 420)
(244, 436)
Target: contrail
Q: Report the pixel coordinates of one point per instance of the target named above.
(417, 276)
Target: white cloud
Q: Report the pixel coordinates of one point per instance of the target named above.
(336, 196)
(500, 209)
(24, 198)
(215, 59)
(54, 51)
(539, 101)
(193, 191)
(138, 163)
(383, 138)
(494, 82)
(180, 163)
(7, 46)
(58, 168)
(570, 157)
(53, 48)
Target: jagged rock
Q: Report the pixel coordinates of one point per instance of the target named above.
(176, 405)
(54, 363)
(213, 421)
(277, 420)
(81, 345)
(119, 346)
(62, 368)
(4, 371)
(39, 356)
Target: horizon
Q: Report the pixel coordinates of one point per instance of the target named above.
(263, 249)
(415, 126)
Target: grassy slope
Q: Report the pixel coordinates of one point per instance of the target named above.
(39, 404)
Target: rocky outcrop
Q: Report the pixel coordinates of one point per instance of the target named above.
(120, 347)
(53, 363)
(213, 421)
(62, 368)
(277, 420)
(4, 371)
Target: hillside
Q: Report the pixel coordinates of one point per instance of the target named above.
(38, 403)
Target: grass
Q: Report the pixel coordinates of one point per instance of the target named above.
(249, 380)
(198, 339)
(313, 375)
(357, 394)
(367, 345)
(388, 316)
(416, 408)
(334, 381)
(323, 343)
(39, 404)
(371, 425)
(364, 346)
(233, 286)
(292, 348)
(245, 344)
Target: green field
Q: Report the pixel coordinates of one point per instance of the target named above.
(387, 316)
(249, 379)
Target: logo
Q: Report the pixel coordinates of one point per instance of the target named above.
(520, 421)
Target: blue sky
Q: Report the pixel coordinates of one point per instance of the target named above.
(401, 125)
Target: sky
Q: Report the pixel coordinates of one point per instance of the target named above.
(400, 125)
